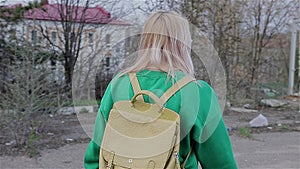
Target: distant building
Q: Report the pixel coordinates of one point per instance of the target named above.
(42, 28)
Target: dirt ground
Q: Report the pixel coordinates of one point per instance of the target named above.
(267, 151)
(63, 145)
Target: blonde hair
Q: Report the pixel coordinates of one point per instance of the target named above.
(165, 45)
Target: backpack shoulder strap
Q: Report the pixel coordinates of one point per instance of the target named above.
(173, 89)
(185, 160)
(135, 84)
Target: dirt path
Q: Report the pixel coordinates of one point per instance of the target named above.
(278, 147)
(266, 150)
(66, 157)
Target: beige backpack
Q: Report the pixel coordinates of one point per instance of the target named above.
(140, 135)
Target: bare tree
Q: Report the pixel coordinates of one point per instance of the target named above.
(219, 20)
(73, 24)
(29, 95)
(234, 26)
(263, 20)
(69, 19)
(10, 17)
(240, 31)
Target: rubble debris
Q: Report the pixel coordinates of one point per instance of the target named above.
(243, 110)
(69, 139)
(297, 128)
(12, 142)
(270, 92)
(66, 111)
(272, 103)
(228, 104)
(293, 97)
(259, 121)
(248, 106)
(229, 129)
(84, 109)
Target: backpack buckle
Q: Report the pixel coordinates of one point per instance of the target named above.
(110, 162)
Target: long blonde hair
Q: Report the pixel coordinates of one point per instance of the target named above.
(165, 45)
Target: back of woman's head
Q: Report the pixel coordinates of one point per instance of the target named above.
(165, 45)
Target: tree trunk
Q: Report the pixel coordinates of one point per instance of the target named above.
(68, 74)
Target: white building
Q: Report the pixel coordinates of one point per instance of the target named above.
(92, 29)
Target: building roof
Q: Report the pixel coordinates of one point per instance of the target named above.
(53, 12)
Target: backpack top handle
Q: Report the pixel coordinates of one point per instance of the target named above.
(151, 95)
(167, 95)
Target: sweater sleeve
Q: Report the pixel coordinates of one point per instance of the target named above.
(212, 144)
(91, 158)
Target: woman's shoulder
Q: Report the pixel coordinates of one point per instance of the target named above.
(201, 85)
(203, 88)
(120, 77)
(204, 85)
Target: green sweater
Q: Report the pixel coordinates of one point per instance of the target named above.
(202, 126)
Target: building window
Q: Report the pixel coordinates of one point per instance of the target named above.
(34, 37)
(91, 38)
(54, 37)
(107, 40)
(107, 61)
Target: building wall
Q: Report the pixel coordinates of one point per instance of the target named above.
(101, 49)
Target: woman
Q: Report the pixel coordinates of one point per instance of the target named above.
(164, 58)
